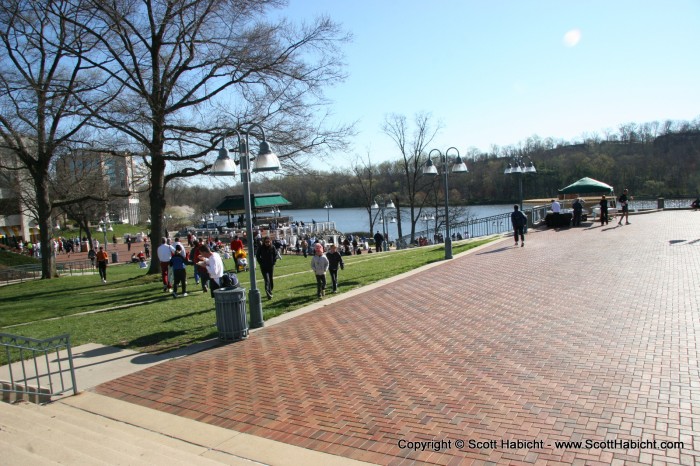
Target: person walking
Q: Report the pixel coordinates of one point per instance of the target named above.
(165, 253)
(267, 257)
(101, 258)
(624, 203)
(603, 210)
(319, 264)
(335, 260)
(578, 212)
(179, 262)
(519, 220)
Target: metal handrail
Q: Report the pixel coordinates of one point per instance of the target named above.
(39, 377)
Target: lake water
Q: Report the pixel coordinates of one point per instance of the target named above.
(356, 219)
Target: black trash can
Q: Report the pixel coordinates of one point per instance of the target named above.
(115, 258)
(231, 314)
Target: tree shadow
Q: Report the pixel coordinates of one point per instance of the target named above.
(191, 314)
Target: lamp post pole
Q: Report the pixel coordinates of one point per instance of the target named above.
(382, 204)
(430, 170)
(328, 208)
(104, 224)
(427, 218)
(266, 160)
(519, 167)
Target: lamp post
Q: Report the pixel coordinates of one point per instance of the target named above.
(429, 170)
(382, 204)
(519, 167)
(105, 225)
(265, 160)
(328, 208)
(426, 217)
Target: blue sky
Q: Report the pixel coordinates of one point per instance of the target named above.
(500, 71)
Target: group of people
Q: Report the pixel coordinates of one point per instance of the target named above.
(519, 220)
(623, 202)
(209, 266)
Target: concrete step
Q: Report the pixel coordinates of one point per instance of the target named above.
(91, 429)
(58, 433)
(15, 455)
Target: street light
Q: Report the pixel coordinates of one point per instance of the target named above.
(266, 160)
(429, 170)
(426, 217)
(105, 225)
(328, 208)
(519, 167)
(381, 203)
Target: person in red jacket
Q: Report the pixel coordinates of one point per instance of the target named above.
(236, 244)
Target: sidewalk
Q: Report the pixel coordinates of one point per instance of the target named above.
(583, 335)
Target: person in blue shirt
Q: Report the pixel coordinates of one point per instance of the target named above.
(178, 262)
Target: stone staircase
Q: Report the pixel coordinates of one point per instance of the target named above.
(91, 429)
(59, 433)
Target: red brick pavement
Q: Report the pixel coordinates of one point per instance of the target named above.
(584, 334)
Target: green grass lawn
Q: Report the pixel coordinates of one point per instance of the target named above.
(133, 312)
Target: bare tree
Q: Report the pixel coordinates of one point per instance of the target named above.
(413, 148)
(365, 175)
(44, 85)
(191, 70)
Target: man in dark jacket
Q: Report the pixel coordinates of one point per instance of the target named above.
(519, 220)
(267, 256)
(378, 241)
(578, 211)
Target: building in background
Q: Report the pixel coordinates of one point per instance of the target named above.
(113, 176)
(16, 218)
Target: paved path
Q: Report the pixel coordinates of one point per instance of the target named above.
(583, 334)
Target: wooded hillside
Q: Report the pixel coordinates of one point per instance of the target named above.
(650, 160)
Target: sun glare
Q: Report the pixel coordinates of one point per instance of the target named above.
(572, 38)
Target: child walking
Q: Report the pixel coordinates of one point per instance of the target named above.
(178, 263)
(335, 260)
(319, 264)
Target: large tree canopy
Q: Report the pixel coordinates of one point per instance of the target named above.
(188, 70)
(44, 84)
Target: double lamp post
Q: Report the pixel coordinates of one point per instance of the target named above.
(381, 203)
(430, 170)
(224, 165)
(105, 225)
(518, 166)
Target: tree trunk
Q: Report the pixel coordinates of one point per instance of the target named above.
(157, 198)
(48, 261)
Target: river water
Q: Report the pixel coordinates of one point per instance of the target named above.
(350, 220)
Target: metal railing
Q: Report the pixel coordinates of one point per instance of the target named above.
(21, 273)
(36, 375)
(472, 228)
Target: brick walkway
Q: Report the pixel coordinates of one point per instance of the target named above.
(584, 334)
